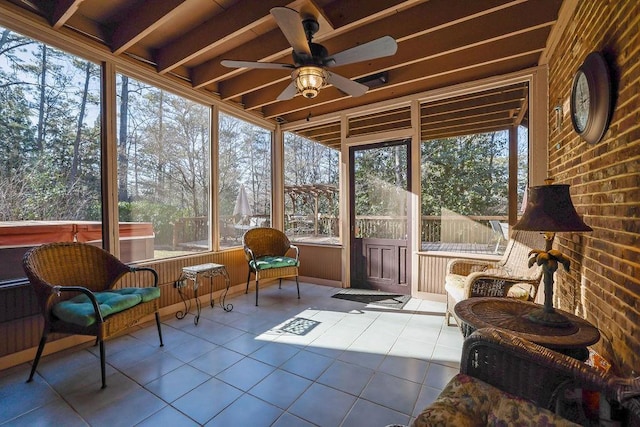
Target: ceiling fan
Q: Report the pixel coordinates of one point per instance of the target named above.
(311, 59)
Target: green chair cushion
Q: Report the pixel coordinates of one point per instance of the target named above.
(147, 294)
(79, 310)
(266, 262)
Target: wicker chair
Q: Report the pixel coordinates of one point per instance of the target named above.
(509, 277)
(531, 373)
(71, 281)
(265, 250)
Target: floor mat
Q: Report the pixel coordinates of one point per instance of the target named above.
(379, 298)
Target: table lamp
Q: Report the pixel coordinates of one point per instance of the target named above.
(549, 209)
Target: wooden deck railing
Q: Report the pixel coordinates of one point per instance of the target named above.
(441, 229)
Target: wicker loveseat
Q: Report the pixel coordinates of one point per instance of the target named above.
(505, 380)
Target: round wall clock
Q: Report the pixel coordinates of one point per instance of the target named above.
(591, 98)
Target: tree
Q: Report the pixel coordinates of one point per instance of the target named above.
(381, 177)
(467, 175)
(49, 168)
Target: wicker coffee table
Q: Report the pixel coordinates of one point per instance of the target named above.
(510, 314)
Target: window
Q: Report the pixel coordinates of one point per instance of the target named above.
(163, 172)
(50, 186)
(465, 169)
(310, 190)
(244, 198)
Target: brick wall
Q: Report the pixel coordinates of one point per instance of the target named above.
(604, 283)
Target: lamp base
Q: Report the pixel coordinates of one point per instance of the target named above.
(552, 319)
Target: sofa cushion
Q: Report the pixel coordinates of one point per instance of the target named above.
(467, 401)
(79, 310)
(454, 285)
(266, 262)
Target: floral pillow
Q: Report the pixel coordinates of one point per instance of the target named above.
(469, 402)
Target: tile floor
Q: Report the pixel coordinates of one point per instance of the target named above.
(317, 361)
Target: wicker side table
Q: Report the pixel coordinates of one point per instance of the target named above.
(510, 314)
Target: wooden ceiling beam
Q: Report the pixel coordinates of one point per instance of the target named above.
(467, 130)
(315, 134)
(518, 87)
(493, 96)
(254, 81)
(414, 21)
(501, 50)
(480, 120)
(421, 18)
(270, 47)
(340, 14)
(380, 127)
(241, 17)
(141, 21)
(473, 110)
(321, 131)
(429, 83)
(63, 10)
(398, 120)
(490, 28)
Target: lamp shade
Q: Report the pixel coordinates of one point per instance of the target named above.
(549, 209)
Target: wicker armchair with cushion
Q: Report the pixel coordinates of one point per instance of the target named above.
(75, 285)
(509, 277)
(270, 255)
(505, 380)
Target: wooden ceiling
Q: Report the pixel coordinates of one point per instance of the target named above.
(440, 43)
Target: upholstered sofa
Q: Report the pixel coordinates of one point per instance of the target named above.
(507, 381)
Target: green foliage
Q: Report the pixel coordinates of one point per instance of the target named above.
(42, 193)
(49, 150)
(381, 180)
(162, 216)
(16, 132)
(467, 175)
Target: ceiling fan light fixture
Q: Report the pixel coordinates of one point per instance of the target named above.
(309, 80)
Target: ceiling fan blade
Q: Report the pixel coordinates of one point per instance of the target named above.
(291, 26)
(251, 64)
(288, 92)
(378, 48)
(347, 86)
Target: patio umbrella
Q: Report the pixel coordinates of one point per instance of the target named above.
(242, 207)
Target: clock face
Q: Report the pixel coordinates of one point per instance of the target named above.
(592, 98)
(581, 102)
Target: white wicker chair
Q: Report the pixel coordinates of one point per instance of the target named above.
(509, 277)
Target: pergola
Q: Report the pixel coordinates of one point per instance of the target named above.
(304, 191)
